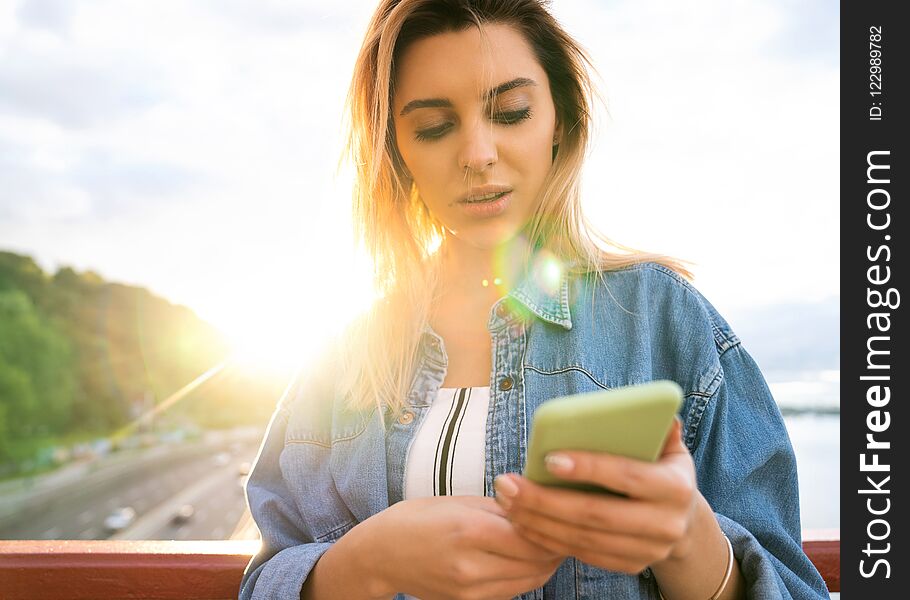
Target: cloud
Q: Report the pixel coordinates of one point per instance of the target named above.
(811, 32)
(287, 17)
(94, 184)
(30, 195)
(52, 15)
(121, 185)
(791, 337)
(74, 92)
(721, 145)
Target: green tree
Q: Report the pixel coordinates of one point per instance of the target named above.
(36, 378)
(80, 355)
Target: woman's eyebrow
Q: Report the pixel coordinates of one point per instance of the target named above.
(502, 88)
(446, 103)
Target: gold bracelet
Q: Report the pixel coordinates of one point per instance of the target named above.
(730, 560)
(723, 584)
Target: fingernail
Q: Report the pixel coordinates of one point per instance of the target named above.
(505, 487)
(559, 463)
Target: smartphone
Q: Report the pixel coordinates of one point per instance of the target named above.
(631, 421)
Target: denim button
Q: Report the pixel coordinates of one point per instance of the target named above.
(406, 417)
(506, 384)
(502, 311)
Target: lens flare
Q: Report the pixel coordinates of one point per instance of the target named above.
(548, 272)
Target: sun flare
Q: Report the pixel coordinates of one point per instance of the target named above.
(282, 328)
(290, 302)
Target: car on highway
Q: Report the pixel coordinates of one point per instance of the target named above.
(221, 459)
(120, 519)
(183, 514)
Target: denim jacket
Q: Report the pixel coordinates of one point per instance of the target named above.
(322, 469)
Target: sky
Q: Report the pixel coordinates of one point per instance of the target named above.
(191, 147)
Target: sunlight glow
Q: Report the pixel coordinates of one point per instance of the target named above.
(282, 328)
(295, 297)
(548, 271)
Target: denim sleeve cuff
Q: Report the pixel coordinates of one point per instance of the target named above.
(763, 580)
(754, 563)
(283, 575)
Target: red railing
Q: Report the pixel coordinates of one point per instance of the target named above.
(823, 548)
(125, 570)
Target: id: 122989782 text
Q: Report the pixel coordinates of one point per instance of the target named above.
(875, 72)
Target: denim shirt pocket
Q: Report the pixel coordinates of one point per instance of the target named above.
(321, 456)
(306, 465)
(358, 462)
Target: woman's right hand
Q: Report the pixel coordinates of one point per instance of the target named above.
(457, 548)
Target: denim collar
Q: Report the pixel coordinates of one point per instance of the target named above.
(544, 291)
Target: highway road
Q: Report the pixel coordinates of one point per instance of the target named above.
(155, 483)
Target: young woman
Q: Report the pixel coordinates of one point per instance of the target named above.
(392, 465)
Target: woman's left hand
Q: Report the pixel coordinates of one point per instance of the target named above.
(627, 534)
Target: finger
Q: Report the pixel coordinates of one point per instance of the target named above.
(571, 506)
(581, 540)
(673, 443)
(487, 575)
(608, 514)
(668, 478)
(497, 536)
(489, 566)
(620, 561)
(494, 587)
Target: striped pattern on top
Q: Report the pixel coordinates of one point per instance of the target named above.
(447, 454)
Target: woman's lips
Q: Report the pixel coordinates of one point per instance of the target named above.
(487, 208)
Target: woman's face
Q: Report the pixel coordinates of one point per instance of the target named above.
(475, 125)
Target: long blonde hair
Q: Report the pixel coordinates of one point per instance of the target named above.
(391, 220)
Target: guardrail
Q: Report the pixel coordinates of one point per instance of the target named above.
(172, 570)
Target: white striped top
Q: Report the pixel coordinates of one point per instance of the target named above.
(447, 456)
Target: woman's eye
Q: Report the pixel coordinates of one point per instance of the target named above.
(509, 117)
(432, 133)
(512, 116)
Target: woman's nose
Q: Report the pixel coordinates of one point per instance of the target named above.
(478, 151)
